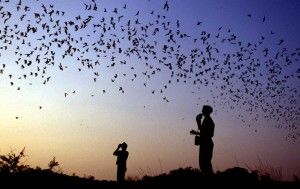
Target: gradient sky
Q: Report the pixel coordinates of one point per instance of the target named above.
(83, 128)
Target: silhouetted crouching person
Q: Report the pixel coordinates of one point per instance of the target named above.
(122, 156)
(206, 132)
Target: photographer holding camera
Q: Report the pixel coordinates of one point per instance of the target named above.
(122, 156)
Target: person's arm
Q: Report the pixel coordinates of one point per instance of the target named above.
(198, 120)
(193, 132)
(117, 150)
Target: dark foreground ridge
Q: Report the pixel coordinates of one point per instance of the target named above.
(181, 178)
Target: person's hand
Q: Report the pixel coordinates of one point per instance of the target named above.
(193, 132)
(120, 145)
(199, 116)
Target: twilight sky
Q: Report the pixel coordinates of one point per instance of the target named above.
(79, 77)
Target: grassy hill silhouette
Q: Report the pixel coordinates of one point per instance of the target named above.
(13, 174)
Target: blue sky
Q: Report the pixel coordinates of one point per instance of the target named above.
(93, 98)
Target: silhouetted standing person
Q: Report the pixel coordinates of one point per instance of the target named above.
(206, 132)
(122, 156)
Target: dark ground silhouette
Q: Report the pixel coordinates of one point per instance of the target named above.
(15, 174)
(181, 178)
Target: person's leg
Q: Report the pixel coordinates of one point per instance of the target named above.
(121, 174)
(209, 158)
(201, 159)
(205, 159)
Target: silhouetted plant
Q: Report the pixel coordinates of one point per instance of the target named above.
(38, 168)
(267, 172)
(11, 163)
(296, 178)
(90, 177)
(54, 166)
(132, 178)
(142, 173)
(238, 174)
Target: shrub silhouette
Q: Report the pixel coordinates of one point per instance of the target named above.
(10, 163)
(54, 166)
(53, 163)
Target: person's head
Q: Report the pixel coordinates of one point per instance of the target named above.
(124, 146)
(207, 110)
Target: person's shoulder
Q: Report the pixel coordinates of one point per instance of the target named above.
(210, 119)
